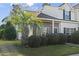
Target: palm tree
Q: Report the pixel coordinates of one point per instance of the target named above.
(44, 4)
(24, 20)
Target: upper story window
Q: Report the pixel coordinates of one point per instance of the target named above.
(66, 15)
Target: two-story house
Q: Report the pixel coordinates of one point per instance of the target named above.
(61, 19)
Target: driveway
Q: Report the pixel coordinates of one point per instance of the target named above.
(9, 50)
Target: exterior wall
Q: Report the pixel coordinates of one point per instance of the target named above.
(67, 7)
(76, 12)
(68, 25)
(46, 28)
(58, 11)
(53, 11)
(73, 15)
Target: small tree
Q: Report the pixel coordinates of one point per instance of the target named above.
(2, 31)
(24, 20)
(10, 32)
(7, 31)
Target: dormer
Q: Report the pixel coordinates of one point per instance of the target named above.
(65, 6)
(68, 13)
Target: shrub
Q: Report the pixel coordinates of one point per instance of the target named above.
(60, 38)
(75, 37)
(7, 31)
(68, 38)
(34, 41)
(50, 38)
(44, 40)
(2, 31)
(10, 32)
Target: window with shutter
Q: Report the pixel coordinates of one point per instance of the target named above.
(66, 15)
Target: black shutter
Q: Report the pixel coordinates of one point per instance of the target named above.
(69, 15)
(63, 14)
(64, 30)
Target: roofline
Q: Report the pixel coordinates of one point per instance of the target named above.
(59, 20)
(61, 4)
(75, 5)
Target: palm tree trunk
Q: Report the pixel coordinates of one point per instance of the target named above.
(27, 32)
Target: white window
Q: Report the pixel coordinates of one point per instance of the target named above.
(69, 30)
(66, 15)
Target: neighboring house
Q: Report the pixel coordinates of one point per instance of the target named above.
(62, 19)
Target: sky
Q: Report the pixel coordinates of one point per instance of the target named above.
(5, 8)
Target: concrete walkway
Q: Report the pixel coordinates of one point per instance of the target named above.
(74, 55)
(73, 45)
(76, 45)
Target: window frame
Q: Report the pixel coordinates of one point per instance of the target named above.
(66, 14)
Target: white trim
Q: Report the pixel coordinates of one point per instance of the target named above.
(52, 26)
(71, 21)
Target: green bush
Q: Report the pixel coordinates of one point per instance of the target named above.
(75, 37)
(44, 40)
(10, 32)
(2, 31)
(50, 38)
(34, 41)
(68, 38)
(7, 31)
(60, 38)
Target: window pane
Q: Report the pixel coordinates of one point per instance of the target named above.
(69, 30)
(55, 30)
(66, 15)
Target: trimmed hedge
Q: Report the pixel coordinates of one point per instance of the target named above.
(49, 39)
(34, 41)
(75, 37)
(56, 39)
(60, 38)
(68, 38)
(44, 40)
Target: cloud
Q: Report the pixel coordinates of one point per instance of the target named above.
(30, 4)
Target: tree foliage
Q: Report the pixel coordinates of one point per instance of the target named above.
(10, 32)
(7, 31)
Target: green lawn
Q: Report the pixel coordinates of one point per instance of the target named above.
(4, 42)
(52, 50)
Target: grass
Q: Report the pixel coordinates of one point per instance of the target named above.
(52, 50)
(14, 42)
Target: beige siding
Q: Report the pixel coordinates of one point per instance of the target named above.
(53, 11)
